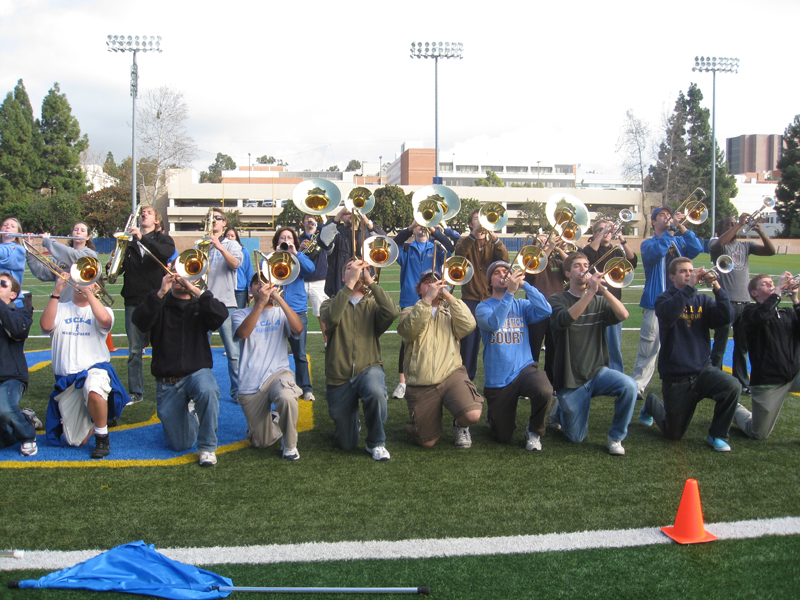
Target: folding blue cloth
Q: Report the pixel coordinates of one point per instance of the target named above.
(136, 568)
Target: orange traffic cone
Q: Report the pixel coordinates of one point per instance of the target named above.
(688, 527)
(110, 343)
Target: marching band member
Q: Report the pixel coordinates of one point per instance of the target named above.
(414, 258)
(685, 319)
(142, 276)
(64, 255)
(773, 337)
(579, 321)
(315, 283)
(353, 367)
(224, 259)
(481, 252)
(436, 377)
(244, 273)
(265, 377)
(179, 318)
(297, 298)
(12, 254)
(504, 321)
(88, 391)
(735, 283)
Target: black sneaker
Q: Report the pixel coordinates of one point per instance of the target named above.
(102, 448)
(745, 390)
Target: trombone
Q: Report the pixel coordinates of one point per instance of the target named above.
(456, 270)
(530, 257)
(83, 273)
(568, 216)
(277, 268)
(767, 203)
(696, 212)
(191, 264)
(617, 272)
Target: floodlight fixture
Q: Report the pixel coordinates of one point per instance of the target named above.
(134, 44)
(713, 64)
(436, 50)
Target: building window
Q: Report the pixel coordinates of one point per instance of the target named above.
(467, 168)
(517, 169)
(495, 169)
(446, 167)
(566, 169)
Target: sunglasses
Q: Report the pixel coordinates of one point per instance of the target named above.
(5, 283)
(218, 218)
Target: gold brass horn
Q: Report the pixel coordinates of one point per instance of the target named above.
(192, 264)
(279, 268)
(360, 200)
(428, 212)
(530, 259)
(85, 270)
(316, 196)
(618, 272)
(457, 270)
(446, 198)
(696, 212)
(493, 216)
(380, 251)
(564, 208)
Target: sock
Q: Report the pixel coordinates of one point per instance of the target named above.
(101, 430)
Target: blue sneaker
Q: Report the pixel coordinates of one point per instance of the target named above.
(718, 444)
(645, 418)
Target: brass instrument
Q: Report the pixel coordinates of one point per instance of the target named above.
(568, 216)
(83, 273)
(696, 212)
(530, 257)
(492, 216)
(308, 246)
(790, 286)
(724, 264)
(434, 204)
(123, 239)
(316, 196)
(360, 200)
(204, 245)
(380, 251)
(277, 268)
(753, 219)
(625, 216)
(618, 272)
(457, 270)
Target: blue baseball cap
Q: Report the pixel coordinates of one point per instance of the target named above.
(658, 209)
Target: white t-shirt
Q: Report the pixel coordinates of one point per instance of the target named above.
(265, 352)
(77, 340)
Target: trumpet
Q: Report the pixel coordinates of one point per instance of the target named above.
(625, 216)
(123, 239)
(82, 273)
(723, 265)
(790, 286)
(696, 212)
(768, 203)
(310, 245)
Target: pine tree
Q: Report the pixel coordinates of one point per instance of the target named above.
(788, 191)
(671, 171)
(63, 144)
(19, 138)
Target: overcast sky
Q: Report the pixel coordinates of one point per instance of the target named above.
(317, 83)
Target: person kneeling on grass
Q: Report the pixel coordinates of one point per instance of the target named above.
(580, 318)
(87, 392)
(432, 364)
(179, 317)
(510, 372)
(265, 377)
(685, 322)
(15, 324)
(773, 339)
(353, 367)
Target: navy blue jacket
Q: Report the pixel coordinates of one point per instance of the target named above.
(15, 325)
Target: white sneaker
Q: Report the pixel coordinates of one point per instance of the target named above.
(29, 448)
(399, 391)
(292, 454)
(532, 441)
(462, 435)
(309, 396)
(207, 459)
(34, 420)
(615, 447)
(379, 453)
(135, 399)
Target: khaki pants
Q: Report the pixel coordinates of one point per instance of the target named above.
(281, 390)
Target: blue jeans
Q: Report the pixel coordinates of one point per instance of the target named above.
(614, 338)
(241, 298)
(231, 351)
(181, 429)
(298, 346)
(574, 404)
(14, 426)
(137, 342)
(370, 386)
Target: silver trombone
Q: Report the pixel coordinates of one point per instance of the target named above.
(39, 235)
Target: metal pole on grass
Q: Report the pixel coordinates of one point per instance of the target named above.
(323, 590)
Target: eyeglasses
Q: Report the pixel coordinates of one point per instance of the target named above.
(218, 218)
(5, 283)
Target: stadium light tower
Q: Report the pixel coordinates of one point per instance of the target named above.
(145, 43)
(704, 64)
(436, 50)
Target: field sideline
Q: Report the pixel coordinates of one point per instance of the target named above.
(490, 492)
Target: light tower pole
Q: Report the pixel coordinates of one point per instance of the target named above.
(723, 65)
(436, 50)
(121, 43)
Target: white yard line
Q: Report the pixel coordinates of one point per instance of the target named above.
(315, 552)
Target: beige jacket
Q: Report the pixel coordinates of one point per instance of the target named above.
(432, 350)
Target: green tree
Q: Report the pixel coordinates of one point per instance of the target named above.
(111, 168)
(62, 146)
(392, 210)
(106, 210)
(459, 222)
(492, 180)
(20, 143)
(290, 216)
(353, 165)
(265, 160)
(787, 194)
(333, 168)
(671, 173)
(531, 216)
(223, 162)
(55, 214)
(234, 219)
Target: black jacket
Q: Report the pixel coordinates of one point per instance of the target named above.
(179, 331)
(337, 242)
(142, 273)
(773, 341)
(15, 325)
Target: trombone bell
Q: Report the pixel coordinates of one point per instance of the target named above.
(531, 259)
(191, 264)
(280, 268)
(618, 273)
(85, 270)
(360, 199)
